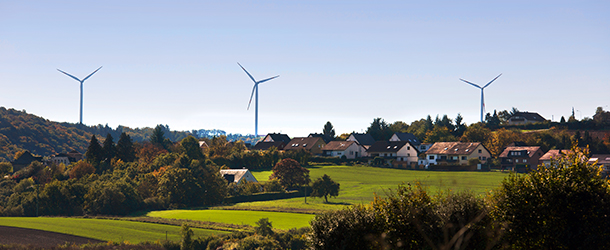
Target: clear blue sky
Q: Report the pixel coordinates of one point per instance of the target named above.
(175, 62)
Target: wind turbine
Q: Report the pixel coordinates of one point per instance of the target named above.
(81, 89)
(482, 99)
(255, 89)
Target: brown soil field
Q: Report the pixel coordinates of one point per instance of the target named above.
(39, 238)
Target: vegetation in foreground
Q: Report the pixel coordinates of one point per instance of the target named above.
(563, 206)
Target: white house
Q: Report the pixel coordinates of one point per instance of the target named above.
(456, 153)
(349, 149)
(237, 175)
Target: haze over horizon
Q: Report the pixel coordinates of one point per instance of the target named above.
(343, 62)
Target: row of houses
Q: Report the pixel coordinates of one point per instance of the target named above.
(406, 151)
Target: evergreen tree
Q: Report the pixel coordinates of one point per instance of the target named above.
(94, 152)
(563, 120)
(328, 132)
(109, 150)
(157, 138)
(124, 148)
(379, 130)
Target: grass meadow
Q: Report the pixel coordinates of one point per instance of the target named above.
(279, 220)
(105, 230)
(359, 184)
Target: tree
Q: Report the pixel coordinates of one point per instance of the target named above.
(5, 168)
(124, 148)
(263, 227)
(80, 169)
(180, 187)
(329, 132)
(192, 148)
(379, 130)
(459, 126)
(290, 173)
(562, 206)
(94, 152)
(476, 133)
(439, 134)
(157, 137)
(109, 150)
(324, 187)
(399, 127)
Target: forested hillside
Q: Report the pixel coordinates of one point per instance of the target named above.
(22, 131)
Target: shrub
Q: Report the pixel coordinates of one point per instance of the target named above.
(562, 206)
(352, 228)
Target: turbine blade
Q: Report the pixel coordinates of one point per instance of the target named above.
(252, 95)
(470, 83)
(92, 73)
(73, 77)
(492, 81)
(247, 73)
(270, 78)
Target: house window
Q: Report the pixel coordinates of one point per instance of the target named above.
(480, 151)
(422, 147)
(464, 158)
(524, 160)
(339, 153)
(351, 152)
(408, 154)
(517, 160)
(431, 157)
(484, 158)
(443, 157)
(408, 148)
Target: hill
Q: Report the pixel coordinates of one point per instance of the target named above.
(22, 131)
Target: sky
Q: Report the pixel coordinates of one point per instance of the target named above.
(347, 62)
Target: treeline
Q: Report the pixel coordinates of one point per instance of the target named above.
(123, 177)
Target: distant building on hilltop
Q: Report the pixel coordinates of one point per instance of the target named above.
(521, 118)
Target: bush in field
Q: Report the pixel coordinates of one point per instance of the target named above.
(355, 227)
(274, 185)
(112, 198)
(563, 206)
(408, 219)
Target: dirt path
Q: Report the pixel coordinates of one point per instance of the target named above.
(25, 236)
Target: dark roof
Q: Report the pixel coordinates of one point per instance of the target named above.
(26, 158)
(279, 137)
(338, 145)
(306, 143)
(530, 116)
(530, 150)
(408, 137)
(326, 140)
(453, 148)
(364, 139)
(387, 146)
(261, 145)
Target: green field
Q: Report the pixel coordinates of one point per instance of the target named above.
(105, 230)
(279, 220)
(359, 184)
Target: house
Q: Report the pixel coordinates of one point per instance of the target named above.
(265, 145)
(326, 139)
(552, 154)
(365, 140)
(311, 144)
(60, 159)
(396, 152)
(238, 176)
(75, 156)
(406, 137)
(422, 148)
(520, 159)
(203, 145)
(24, 160)
(456, 153)
(603, 161)
(349, 149)
(273, 137)
(521, 118)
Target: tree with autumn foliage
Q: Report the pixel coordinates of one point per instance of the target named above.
(290, 173)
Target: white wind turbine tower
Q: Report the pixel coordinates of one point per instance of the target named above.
(81, 89)
(255, 89)
(482, 98)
